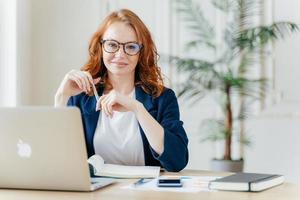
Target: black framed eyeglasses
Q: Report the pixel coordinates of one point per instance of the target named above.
(130, 48)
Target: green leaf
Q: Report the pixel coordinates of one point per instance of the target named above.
(213, 130)
(224, 5)
(253, 38)
(196, 22)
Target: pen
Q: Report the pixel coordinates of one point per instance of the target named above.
(95, 92)
(141, 181)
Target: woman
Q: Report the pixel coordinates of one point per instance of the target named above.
(136, 119)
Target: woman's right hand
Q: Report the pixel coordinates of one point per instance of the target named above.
(74, 83)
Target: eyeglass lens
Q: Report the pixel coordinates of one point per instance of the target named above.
(130, 48)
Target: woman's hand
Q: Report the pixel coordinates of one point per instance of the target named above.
(116, 101)
(74, 83)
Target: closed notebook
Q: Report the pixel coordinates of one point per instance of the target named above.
(247, 182)
(99, 168)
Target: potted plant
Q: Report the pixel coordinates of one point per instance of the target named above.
(228, 75)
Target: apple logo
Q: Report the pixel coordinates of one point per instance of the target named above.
(24, 149)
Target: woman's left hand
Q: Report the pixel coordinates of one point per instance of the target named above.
(116, 101)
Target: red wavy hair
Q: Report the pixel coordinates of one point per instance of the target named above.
(147, 72)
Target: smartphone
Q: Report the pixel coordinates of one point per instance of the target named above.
(169, 183)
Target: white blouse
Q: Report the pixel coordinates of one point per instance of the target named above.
(118, 139)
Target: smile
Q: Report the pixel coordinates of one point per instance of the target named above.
(119, 63)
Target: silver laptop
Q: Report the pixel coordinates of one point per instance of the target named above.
(44, 148)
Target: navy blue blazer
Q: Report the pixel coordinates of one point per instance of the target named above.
(166, 112)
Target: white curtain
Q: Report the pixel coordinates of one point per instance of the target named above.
(8, 55)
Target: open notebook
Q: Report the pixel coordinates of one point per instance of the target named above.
(121, 171)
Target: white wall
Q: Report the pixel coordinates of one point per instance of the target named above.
(53, 38)
(275, 131)
(60, 31)
(24, 53)
(286, 54)
(275, 148)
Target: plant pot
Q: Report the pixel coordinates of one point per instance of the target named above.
(227, 165)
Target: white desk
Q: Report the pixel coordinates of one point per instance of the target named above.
(287, 191)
